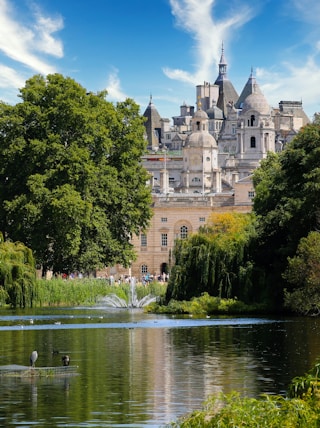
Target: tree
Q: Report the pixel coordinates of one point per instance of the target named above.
(287, 201)
(215, 260)
(17, 274)
(303, 273)
(72, 186)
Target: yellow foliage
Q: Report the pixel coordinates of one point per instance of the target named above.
(228, 225)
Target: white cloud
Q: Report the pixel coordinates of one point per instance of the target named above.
(44, 28)
(293, 83)
(114, 87)
(208, 34)
(21, 43)
(307, 11)
(10, 78)
(295, 80)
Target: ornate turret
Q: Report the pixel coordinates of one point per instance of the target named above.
(152, 125)
(227, 93)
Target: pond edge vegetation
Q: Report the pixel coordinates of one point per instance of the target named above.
(300, 408)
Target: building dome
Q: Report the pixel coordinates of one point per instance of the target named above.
(200, 114)
(256, 101)
(200, 139)
(215, 112)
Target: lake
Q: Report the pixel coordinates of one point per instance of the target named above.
(143, 370)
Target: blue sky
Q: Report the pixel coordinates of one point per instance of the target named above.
(163, 48)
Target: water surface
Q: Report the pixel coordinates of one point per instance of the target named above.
(142, 370)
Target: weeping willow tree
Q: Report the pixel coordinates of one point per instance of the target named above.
(17, 274)
(215, 260)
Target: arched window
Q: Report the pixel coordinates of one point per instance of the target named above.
(183, 232)
(253, 142)
(144, 269)
(252, 119)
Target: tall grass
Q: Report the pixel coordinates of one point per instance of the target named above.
(60, 292)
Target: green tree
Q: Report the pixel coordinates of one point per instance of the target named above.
(72, 187)
(303, 274)
(287, 202)
(17, 274)
(215, 260)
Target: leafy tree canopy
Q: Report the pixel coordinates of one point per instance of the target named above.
(303, 275)
(72, 187)
(287, 200)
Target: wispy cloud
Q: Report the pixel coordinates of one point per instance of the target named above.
(44, 28)
(297, 76)
(25, 45)
(113, 87)
(208, 31)
(208, 34)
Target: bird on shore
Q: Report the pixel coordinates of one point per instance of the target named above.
(65, 360)
(33, 358)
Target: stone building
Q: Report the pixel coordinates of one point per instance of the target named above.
(203, 163)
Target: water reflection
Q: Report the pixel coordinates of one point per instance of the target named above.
(140, 370)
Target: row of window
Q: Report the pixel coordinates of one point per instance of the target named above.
(165, 219)
(183, 234)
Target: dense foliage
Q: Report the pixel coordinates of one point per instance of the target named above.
(72, 187)
(216, 260)
(303, 275)
(286, 204)
(17, 275)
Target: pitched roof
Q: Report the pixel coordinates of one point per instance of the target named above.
(251, 87)
(227, 92)
(152, 125)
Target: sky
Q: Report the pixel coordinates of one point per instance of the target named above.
(163, 48)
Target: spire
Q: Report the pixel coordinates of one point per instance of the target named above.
(227, 92)
(152, 125)
(222, 66)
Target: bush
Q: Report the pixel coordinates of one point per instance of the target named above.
(207, 305)
(232, 411)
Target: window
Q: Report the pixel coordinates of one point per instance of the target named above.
(164, 219)
(144, 269)
(143, 240)
(183, 232)
(202, 219)
(253, 142)
(252, 119)
(251, 194)
(196, 180)
(164, 239)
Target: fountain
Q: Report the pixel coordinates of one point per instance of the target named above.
(133, 302)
